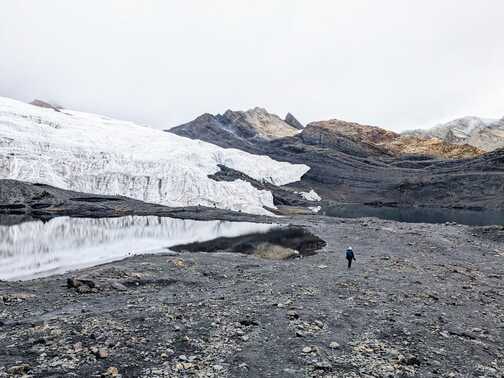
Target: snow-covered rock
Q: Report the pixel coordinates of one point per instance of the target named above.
(96, 154)
(486, 134)
(312, 195)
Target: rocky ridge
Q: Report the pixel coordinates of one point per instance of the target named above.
(485, 134)
(358, 163)
(381, 141)
(245, 126)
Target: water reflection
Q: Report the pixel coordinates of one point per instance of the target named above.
(36, 249)
(418, 214)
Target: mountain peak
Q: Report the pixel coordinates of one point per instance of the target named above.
(291, 120)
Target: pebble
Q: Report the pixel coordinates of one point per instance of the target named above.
(102, 353)
(118, 286)
(292, 314)
(307, 349)
(73, 282)
(334, 345)
(19, 369)
(112, 372)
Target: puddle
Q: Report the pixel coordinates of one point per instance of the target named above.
(276, 244)
(418, 214)
(37, 249)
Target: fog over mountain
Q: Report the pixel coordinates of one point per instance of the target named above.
(400, 65)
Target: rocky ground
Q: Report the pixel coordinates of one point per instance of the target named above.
(421, 301)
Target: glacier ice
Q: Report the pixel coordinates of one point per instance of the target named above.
(96, 154)
(312, 195)
(36, 249)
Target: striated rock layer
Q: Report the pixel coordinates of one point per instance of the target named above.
(239, 129)
(380, 141)
(358, 163)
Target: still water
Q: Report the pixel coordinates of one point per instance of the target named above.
(37, 249)
(418, 214)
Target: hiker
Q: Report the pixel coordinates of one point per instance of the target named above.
(350, 256)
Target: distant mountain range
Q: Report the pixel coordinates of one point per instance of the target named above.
(341, 161)
(247, 129)
(359, 163)
(485, 134)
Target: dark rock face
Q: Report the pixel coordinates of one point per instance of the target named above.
(281, 196)
(291, 120)
(348, 170)
(237, 129)
(318, 135)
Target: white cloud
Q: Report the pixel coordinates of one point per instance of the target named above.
(393, 63)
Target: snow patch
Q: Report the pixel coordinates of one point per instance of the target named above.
(310, 196)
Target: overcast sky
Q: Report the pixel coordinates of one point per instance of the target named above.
(398, 64)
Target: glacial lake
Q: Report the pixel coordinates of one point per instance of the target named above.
(37, 249)
(417, 214)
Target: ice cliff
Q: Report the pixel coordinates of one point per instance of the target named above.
(96, 154)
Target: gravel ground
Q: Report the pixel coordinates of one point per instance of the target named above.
(421, 301)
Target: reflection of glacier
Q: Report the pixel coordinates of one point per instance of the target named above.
(100, 155)
(35, 249)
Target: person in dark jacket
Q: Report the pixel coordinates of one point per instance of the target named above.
(350, 256)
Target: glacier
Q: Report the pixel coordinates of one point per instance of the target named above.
(37, 249)
(96, 154)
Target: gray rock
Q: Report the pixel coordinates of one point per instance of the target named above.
(334, 345)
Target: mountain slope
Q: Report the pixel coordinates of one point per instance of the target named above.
(376, 140)
(362, 166)
(486, 134)
(239, 129)
(95, 154)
